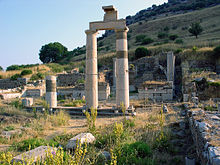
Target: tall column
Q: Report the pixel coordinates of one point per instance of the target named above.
(122, 79)
(114, 75)
(91, 84)
(170, 66)
(51, 93)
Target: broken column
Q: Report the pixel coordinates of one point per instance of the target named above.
(91, 84)
(170, 66)
(122, 79)
(51, 94)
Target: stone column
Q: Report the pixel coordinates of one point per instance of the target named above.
(122, 79)
(91, 84)
(51, 93)
(114, 75)
(170, 66)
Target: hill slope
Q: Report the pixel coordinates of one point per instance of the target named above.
(177, 24)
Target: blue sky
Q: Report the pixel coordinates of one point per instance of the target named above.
(26, 25)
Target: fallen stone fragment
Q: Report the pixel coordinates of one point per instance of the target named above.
(82, 137)
(36, 154)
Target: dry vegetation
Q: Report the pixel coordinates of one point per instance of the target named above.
(40, 68)
(150, 127)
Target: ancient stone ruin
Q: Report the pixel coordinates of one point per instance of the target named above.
(110, 22)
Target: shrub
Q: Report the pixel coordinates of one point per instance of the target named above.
(173, 37)
(210, 108)
(134, 153)
(30, 144)
(1, 69)
(166, 28)
(147, 41)
(59, 119)
(140, 38)
(9, 128)
(81, 69)
(179, 41)
(217, 52)
(15, 76)
(12, 67)
(194, 49)
(91, 119)
(26, 72)
(1, 77)
(141, 52)
(179, 50)
(38, 76)
(80, 81)
(162, 35)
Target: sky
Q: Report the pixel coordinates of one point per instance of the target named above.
(27, 25)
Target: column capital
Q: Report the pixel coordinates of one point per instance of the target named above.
(126, 29)
(90, 31)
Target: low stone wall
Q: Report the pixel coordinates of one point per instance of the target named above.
(205, 129)
(10, 84)
(69, 79)
(161, 92)
(34, 93)
(6, 96)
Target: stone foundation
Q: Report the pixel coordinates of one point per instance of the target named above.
(205, 131)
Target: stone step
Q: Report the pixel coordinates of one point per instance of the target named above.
(78, 111)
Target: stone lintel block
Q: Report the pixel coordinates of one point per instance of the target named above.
(110, 25)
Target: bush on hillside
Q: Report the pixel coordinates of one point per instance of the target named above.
(19, 67)
(173, 37)
(217, 52)
(13, 67)
(15, 76)
(26, 72)
(179, 41)
(1, 77)
(147, 41)
(38, 76)
(141, 52)
(140, 38)
(162, 35)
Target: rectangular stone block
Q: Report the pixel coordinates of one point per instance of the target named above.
(111, 25)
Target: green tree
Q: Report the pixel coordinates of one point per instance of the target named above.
(195, 29)
(141, 52)
(1, 69)
(52, 52)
